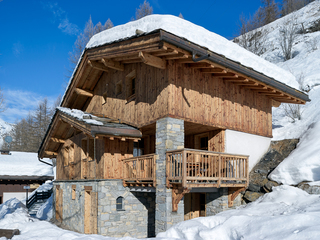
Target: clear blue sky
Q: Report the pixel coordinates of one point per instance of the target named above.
(36, 37)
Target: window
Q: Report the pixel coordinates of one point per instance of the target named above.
(138, 148)
(204, 143)
(73, 192)
(131, 83)
(120, 204)
(201, 141)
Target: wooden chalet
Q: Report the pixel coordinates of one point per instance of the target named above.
(152, 114)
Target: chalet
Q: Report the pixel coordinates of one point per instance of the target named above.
(160, 123)
(20, 169)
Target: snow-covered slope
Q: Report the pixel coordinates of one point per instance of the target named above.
(304, 163)
(4, 129)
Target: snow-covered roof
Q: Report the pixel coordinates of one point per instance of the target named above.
(198, 35)
(24, 164)
(80, 115)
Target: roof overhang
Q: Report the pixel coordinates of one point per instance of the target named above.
(155, 49)
(63, 126)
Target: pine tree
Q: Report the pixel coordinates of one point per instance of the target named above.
(144, 10)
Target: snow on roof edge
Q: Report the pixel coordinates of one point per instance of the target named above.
(199, 36)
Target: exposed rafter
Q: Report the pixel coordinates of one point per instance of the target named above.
(82, 92)
(213, 70)
(152, 60)
(57, 140)
(98, 65)
(112, 64)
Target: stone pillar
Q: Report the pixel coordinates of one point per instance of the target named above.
(169, 136)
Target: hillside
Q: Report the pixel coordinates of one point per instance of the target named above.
(303, 164)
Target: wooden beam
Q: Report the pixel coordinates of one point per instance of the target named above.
(275, 103)
(152, 60)
(82, 92)
(176, 56)
(213, 70)
(50, 153)
(57, 140)
(166, 53)
(98, 65)
(112, 64)
(201, 65)
(233, 192)
(177, 195)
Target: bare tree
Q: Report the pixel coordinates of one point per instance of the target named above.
(287, 36)
(144, 10)
(293, 111)
(251, 38)
(84, 37)
(181, 16)
(289, 6)
(270, 11)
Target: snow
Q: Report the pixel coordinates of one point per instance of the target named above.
(303, 164)
(285, 213)
(80, 115)
(24, 164)
(198, 35)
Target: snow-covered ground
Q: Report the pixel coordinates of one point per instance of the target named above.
(285, 213)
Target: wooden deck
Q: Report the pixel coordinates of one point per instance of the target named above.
(190, 168)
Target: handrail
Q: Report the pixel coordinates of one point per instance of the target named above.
(38, 196)
(195, 168)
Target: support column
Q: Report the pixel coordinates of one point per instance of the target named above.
(169, 136)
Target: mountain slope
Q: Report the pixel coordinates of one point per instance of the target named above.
(303, 164)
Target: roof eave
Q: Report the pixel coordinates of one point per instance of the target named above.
(191, 47)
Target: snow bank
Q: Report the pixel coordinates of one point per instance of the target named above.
(28, 165)
(285, 213)
(303, 164)
(10, 206)
(198, 35)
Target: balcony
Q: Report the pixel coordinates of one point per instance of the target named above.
(140, 171)
(189, 168)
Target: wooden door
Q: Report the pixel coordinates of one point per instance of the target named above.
(194, 205)
(59, 203)
(87, 212)
(90, 211)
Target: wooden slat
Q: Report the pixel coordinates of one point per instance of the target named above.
(97, 65)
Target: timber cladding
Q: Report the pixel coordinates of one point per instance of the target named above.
(79, 164)
(181, 92)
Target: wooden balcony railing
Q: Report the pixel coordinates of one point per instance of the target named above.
(140, 171)
(196, 168)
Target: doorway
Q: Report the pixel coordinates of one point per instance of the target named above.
(194, 205)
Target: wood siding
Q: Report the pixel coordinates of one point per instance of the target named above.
(108, 163)
(185, 93)
(202, 98)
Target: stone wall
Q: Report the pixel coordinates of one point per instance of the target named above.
(136, 220)
(216, 201)
(169, 136)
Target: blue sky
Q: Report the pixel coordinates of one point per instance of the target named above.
(36, 37)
